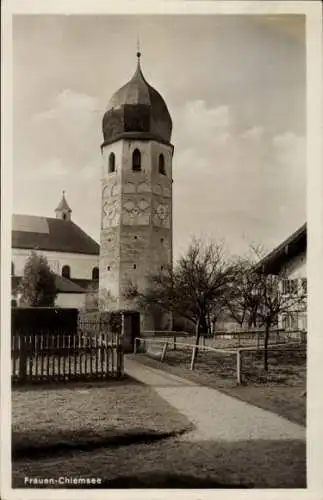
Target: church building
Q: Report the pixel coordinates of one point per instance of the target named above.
(72, 254)
(136, 210)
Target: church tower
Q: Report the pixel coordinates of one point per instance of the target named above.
(136, 219)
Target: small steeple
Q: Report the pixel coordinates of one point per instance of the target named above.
(63, 210)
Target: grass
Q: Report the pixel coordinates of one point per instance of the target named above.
(88, 414)
(114, 431)
(176, 463)
(280, 390)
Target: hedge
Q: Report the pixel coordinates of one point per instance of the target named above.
(33, 320)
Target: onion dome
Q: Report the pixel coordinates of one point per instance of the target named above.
(137, 111)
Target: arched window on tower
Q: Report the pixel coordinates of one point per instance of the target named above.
(12, 269)
(95, 273)
(112, 163)
(66, 272)
(136, 160)
(161, 164)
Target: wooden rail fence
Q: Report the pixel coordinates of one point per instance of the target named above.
(141, 344)
(48, 357)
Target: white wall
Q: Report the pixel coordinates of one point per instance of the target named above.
(296, 267)
(81, 265)
(70, 300)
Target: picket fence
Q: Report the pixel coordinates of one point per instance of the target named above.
(48, 357)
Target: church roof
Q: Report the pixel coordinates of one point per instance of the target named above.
(63, 285)
(46, 233)
(137, 110)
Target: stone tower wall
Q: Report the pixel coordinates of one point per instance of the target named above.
(136, 222)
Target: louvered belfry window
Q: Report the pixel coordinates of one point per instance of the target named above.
(136, 160)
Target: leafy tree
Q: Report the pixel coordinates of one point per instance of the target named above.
(37, 287)
(195, 288)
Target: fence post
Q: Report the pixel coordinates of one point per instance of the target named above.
(174, 342)
(193, 358)
(23, 358)
(162, 358)
(135, 346)
(239, 366)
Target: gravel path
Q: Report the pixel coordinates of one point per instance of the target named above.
(216, 416)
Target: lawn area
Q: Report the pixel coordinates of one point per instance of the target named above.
(117, 431)
(279, 391)
(50, 421)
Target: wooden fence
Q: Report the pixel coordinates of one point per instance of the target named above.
(142, 345)
(47, 357)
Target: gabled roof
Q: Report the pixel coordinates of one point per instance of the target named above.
(45, 233)
(63, 285)
(294, 245)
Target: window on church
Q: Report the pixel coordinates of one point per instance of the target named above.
(95, 273)
(136, 160)
(64, 216)
(112, 163)
(66, 271)
(12, 269)
(161, 164)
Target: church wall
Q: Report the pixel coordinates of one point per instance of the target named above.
(76, 300)
(81, 265)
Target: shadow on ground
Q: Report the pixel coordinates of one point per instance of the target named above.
(175, 463)
(68, 442)
(52, 384)
(160, 480)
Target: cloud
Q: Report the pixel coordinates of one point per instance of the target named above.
(68, 101)
(254, 133)
(196, 122)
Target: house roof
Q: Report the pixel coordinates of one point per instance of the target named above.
(45, 233)
(88, 285)
(294, 245)
(63, 285)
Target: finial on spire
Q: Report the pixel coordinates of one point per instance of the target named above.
(64, 192)
(138, 48)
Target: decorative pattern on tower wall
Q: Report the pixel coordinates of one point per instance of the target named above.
(136, 223)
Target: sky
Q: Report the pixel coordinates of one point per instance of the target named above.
(235, 88)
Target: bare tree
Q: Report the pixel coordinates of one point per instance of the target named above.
(194, 289)
(261, 299)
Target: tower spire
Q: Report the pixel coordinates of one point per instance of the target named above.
(138, 50)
